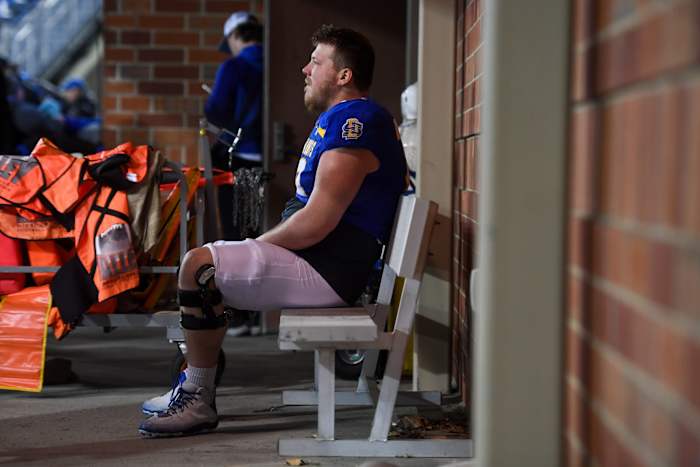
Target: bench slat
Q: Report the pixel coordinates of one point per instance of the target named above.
(383, 341)
(324, 325)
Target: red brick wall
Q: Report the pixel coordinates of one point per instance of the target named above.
(468, 81)
(632, 386)
(157, 54)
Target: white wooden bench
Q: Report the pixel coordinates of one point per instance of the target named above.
(326, 330)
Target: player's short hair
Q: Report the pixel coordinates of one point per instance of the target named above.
(352, 50)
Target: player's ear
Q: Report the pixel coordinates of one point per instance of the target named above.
(344, 76)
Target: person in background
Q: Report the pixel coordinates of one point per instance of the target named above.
(76, 102)
(79, 111)
(36, 113)
(236, 102)
(75, 111)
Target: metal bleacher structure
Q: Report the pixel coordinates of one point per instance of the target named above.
(42, 36)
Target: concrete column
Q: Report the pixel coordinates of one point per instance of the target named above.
(519, 313)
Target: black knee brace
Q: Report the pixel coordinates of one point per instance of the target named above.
(205, 298)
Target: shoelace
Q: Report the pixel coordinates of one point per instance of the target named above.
(174, 387)
(181, 400)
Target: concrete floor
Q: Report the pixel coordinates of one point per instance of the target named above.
(94, 420)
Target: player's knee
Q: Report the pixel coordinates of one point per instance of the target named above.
(197, 294)
(191, 264)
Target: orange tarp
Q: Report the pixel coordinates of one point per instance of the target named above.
(23, 319)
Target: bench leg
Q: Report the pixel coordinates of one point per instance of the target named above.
(326, 393)
(388, 392)
(394, 365)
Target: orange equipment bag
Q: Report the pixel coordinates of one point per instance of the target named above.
(37, 191)
(11, 256)
(46, 253)
(23, 320)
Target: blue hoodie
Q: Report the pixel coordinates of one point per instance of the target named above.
(238, 84)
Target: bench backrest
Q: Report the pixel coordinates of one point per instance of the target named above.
(408, 248)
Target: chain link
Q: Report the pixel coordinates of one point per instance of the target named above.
(248, 201)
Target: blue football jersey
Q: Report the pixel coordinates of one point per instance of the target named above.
(363, 124)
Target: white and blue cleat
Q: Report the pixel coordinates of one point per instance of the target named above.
(162, 403)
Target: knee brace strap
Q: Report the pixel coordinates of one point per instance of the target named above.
(202, 298)
(209, 321)
(205, 299)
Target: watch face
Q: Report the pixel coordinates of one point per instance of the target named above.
(206, 275)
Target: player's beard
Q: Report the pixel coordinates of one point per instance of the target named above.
(317, 100)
